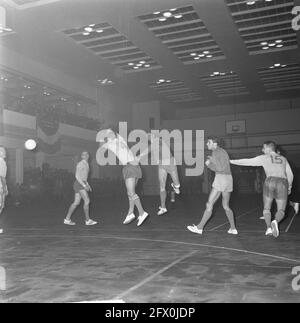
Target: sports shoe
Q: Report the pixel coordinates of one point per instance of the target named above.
(269, 232)
(142, 218)
(232, 231)
(1, 231)
(129, 218)
(90, 222)
(162, 211)
(296, 208)
(175, 188)
(275, 230)
(173, 196)
(193, 228)
(69, 222)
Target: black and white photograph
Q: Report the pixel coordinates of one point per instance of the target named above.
(149, 154)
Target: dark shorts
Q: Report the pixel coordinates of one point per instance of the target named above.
(78, 187)
(276, 188)
(132, 171)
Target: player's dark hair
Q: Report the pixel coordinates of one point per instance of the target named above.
(214, 139)
(270, 144)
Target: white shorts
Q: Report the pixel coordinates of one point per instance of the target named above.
(223, 183)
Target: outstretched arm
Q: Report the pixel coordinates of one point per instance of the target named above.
(256, 161)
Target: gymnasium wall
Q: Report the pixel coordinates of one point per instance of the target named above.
(279, 122)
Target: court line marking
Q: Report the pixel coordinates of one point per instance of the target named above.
(290, 224)
(209, 246)
(148, 279)
(191, 244)
(5, 263)
(221, 225)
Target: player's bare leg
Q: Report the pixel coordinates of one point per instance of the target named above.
(279, 216)
(175, 179)
(86, 207)
(228, 211)
(2, 204)
(213, 197)
(267, 213)
(72, 208)
(162, 176)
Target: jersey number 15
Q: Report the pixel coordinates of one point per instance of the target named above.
(276, 160)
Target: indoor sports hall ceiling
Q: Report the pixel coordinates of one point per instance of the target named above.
(189, 53)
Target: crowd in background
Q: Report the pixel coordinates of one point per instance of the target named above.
(64, 116)
(48, 184)
(56, 185)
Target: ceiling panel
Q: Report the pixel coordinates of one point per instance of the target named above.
(280, 77)
(108, 43)
(264, 25)
(175, 91)
(225, 84)
(184, 33)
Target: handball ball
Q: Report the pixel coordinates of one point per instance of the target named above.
(30, 144)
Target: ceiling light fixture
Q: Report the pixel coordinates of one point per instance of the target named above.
(167, 14)
(105, 81)
(278, 65)
(253, 2)
(272, 44)
(90, 29)
(204, 54)
(162, 81)
(140, 64)
(171, 13)
(214, 74)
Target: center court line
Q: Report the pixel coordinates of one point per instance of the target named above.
(290, 224)
(145, 281)
(221, 225)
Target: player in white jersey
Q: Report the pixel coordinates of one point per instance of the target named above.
(131, 171)
(3, 186)
(278, 183)
(81, 188)
(294, 196)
